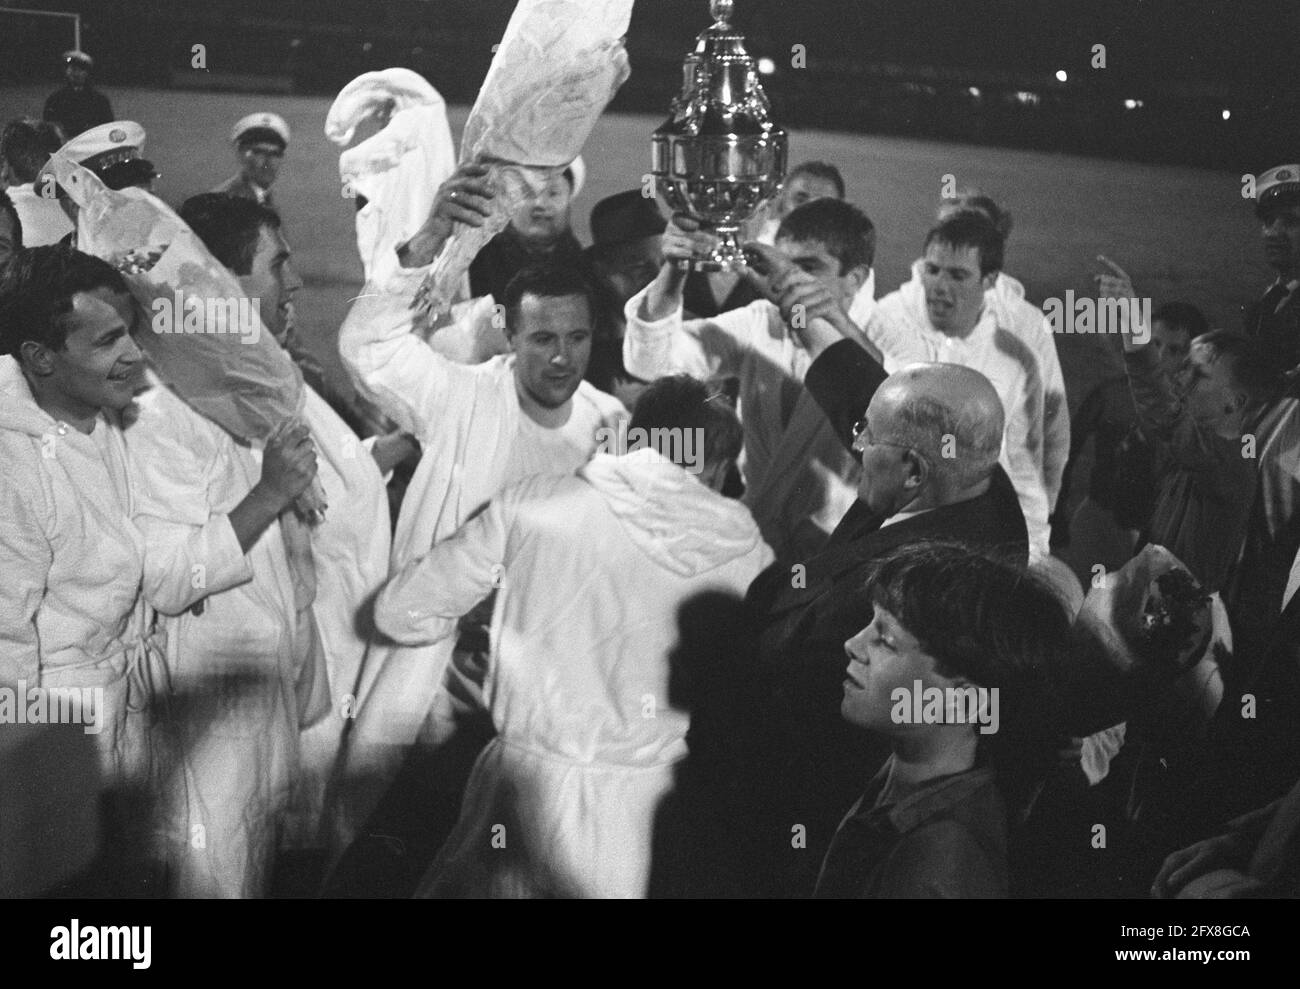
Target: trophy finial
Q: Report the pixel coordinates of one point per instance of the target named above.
(721, 11)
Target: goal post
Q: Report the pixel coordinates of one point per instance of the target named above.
(31, 42)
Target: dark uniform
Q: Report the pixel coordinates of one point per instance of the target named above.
(77, 109)
(1274, 321)
(239, 186)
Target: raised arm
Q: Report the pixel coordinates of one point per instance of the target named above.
(388, 362)
(422, 601)
(658, 342)
(842, 380)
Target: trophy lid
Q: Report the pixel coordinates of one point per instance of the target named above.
(721, 92)
(720, 40)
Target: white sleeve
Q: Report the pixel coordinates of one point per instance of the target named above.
(1056, 418)
(25, 561)
(190, 552)
(422, 601)
(390, 365)
(1023, 467)
(702, 348)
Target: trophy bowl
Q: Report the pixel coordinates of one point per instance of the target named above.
(719, 156)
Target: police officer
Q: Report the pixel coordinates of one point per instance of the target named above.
(1274, 319)
(260, 140)
(78, 106)
(113, 151)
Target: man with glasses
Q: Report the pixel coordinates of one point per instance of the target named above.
(260, 141)
(929, 440)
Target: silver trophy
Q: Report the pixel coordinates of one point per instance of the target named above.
(719, 156)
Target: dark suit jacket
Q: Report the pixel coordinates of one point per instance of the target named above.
(1278, 333)
(814, 764)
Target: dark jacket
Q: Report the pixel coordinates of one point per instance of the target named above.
(944, 840)
(811, 764)
(1277, 332)
(505, 255)
(76, 110)
(239, 187)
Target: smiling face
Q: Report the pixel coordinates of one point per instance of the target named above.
(551, 340)
(273, 282)
(954, 288)
(543, 218)
(99, 366)
(884, 657)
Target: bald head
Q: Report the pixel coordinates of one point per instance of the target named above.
(950, 414)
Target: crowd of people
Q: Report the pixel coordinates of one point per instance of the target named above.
(638, 580)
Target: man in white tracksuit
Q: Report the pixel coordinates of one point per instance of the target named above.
(350, 546)
(799, 478)
(481, 428)
(957, 309)
(72, 615)
(232, 569)
(593, 571)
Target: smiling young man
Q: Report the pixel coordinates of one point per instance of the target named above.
(72, 612)
(799, 479)
(950, 312)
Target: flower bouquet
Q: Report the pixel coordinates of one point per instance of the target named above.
(559, 64)
(226, 368)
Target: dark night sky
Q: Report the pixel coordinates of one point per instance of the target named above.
(1253, 42)
(1239, 42)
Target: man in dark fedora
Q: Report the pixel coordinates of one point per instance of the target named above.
(625, 256)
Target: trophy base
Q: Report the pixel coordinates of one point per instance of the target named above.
(726, 255)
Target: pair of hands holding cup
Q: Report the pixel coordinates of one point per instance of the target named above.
(801, 297)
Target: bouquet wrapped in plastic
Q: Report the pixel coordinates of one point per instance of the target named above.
(202, 335)
(559, 64)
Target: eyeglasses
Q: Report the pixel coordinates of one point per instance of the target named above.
(862, 438)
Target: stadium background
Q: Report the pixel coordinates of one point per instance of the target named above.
(881, 96)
